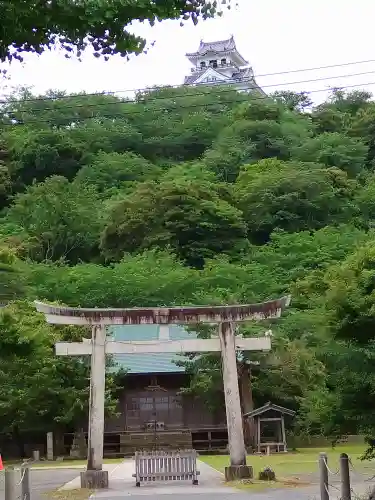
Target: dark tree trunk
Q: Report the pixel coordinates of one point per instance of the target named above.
(58, 442)
(247, 403)
(18, 439)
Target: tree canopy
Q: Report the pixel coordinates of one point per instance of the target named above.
(192, 196)
(74, 24)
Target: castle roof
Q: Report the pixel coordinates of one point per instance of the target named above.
(237, 76)
(220, 46)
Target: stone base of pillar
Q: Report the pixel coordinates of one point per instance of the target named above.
(235, 472)
(94, 479)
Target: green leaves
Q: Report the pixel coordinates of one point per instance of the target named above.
(59, 220)
(186, 215)
(351, 296)
(334, 150)
(36, 155)
(73, 25)
(291, 196)
(38, 390)
(13, 279)
(113, 170)
(147, 279)
(190, 196)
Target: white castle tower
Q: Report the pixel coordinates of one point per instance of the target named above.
(220, 63)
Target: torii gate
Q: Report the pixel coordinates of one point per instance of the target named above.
(99, 346)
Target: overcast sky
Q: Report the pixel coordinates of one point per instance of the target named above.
(274, 36)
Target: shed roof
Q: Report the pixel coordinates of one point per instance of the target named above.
(267, 407)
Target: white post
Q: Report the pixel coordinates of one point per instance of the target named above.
(232, 403)
(283, 433)
(11, 484)
(97, 397)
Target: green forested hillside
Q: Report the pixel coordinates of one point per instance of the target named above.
(192, 196)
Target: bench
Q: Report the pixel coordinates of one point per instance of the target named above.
(166, 466)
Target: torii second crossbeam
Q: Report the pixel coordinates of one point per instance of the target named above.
(227, 343)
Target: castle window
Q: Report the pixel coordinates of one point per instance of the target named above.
(213, 63)
(224, 62)
(203, 64)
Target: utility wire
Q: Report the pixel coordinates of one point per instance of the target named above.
(157, 98)
(352, 63)
(147, 89)
(190, 106)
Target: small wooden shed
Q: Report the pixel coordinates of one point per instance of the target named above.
(269, 426)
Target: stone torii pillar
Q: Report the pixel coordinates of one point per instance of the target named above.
(227, 343)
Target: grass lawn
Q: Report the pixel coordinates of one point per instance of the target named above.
(294, 468)
(79, 494)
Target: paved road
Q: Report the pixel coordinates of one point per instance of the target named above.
(311, 493)
(43, 481)
(290, 495)
(122, 485)
(211, 487)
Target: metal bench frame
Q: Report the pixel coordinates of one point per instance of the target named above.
(166, 466)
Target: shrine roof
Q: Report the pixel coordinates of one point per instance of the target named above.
(148, 363)
(269, 407)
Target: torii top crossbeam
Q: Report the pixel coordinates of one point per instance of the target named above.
(163, 315)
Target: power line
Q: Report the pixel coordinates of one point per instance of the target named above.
(320, 79)
(317, 68)
(190, 106)
(147, 89)
(75, 106)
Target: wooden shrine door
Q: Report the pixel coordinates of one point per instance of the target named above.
(145, 407)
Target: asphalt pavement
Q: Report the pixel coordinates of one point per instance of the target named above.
(270, 495)
(210, 487)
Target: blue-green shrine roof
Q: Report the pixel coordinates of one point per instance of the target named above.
(148, 363)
